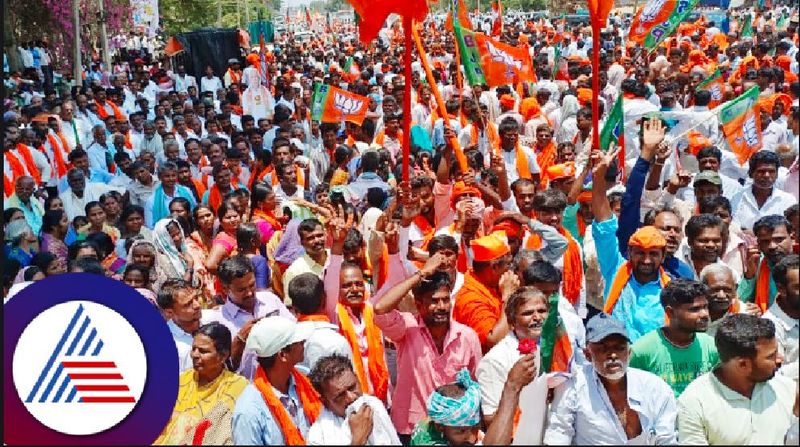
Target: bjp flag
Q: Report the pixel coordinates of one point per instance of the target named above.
(741, 123)
(715, 84)
(331, 104)
(504, 64)
(373, 14)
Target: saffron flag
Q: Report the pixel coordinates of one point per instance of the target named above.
(657, 20)
(554, 345)
(741, 123)
(470, 56)
(331, 104)
(503, 64)
(373, 14)
(598, 12)
(460, 9)
(747, 26)
(716, 86)
(497, 18)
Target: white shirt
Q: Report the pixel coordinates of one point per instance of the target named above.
(97, 157)
(745, 210)
(182, 83)
(39, 160)
(324, 341)
(711, 413)
(75, 206)
(330, 429)
(510, 160)
(582, 414)
(210, 85)
(787, 332)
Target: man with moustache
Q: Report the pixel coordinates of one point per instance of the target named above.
(774, 241)
(741, 401)
(680, 351)
(430, 347)
(722, 300)
(761, 198)
(607, 402)
(786, 309)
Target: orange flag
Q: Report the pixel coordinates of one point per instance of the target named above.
(504, 64)
(334, 105)
(598, 11)
(373, 14)
(741, 123)
(462, 13)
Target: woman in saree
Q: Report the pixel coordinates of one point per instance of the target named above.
(173, 257)
(207, 393)
(198, 245)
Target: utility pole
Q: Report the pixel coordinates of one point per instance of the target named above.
(104, 37)
(77, 75)
(219, 13)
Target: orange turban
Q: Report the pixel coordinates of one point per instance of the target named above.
(584, 96)
(563, 170)
(459, 189)
(510, 227)
(490, 247)
(529, 108)
(42, 118)
(585, 197)
(647, 237)
(507, 101)
(696, 142)
(253, 59)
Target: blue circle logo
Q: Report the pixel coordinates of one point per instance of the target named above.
(87, 360)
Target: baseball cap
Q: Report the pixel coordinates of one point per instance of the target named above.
(601, 326)
(271, 334)
(708, 176)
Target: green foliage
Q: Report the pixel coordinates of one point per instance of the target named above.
(179, 16)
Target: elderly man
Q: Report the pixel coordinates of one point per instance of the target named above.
(157, 205)
(23, 199)
(80, 192)
(786, 309)
(606, 402)
(721, 282)
(348, 415)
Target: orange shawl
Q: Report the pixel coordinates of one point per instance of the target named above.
(478, 307)
(268, 218)
(620, 279)
(101, 110)
(376, 362)
(381, 138)
(315, 317)
(762, 286)
(214, 198)
(491, 135)
(573, 265)
(546, 158)
(58, 154)
(18, 169)
(235, 79)
(8, 186)
(523, 170)
(301, 181)
(308, 397)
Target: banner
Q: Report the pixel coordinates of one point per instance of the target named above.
(741, 123)
(331, 104)
(144, 14)
(657, 20)
(470, 56)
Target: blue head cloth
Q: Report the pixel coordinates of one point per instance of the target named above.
(462, 412)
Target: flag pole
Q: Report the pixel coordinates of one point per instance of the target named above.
(407, 24)
(595, 84)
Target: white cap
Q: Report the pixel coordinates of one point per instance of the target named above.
(271, 334)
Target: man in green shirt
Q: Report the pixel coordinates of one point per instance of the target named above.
(680, 351)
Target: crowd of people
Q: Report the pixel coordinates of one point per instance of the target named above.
(317, 296)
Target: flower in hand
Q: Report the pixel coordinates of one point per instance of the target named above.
(527, 346)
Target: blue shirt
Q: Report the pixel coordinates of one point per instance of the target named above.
(639, 305)
(253, 423)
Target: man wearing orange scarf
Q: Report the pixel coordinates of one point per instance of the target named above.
(549, 206)
(478, 304)
(520, 162)
(354, 315)
(633, 286)
(774, 243)
(280, 405)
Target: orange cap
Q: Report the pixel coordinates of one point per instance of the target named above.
(647, 237)
(510, 227)
(507, 101)
(490, 247)
(584, 96)
(559, 171)
(459, 189)
(585, 197)
(696, 142)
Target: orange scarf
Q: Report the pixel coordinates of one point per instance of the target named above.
(301, 181)
(546, 158)
(620, 279)
(101, 110)
(573, 265)
(268, 218)
(8, 186)
(491, 135)
(258, 177)
(234, 76)
(308, 397)
(350, 141)
(376, 362)
(58, 154)
(428, 231)
(214, 198)
(523, 170)
(381, 138)
(18, 169)
(316, 317)
(762, 286)
(128, 143)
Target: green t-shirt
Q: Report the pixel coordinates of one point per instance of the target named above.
(676, 366)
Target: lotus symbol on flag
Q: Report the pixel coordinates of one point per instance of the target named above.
(716, 92)
(346, 104)
(750, 133)
(651, 10)
(501, 56)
